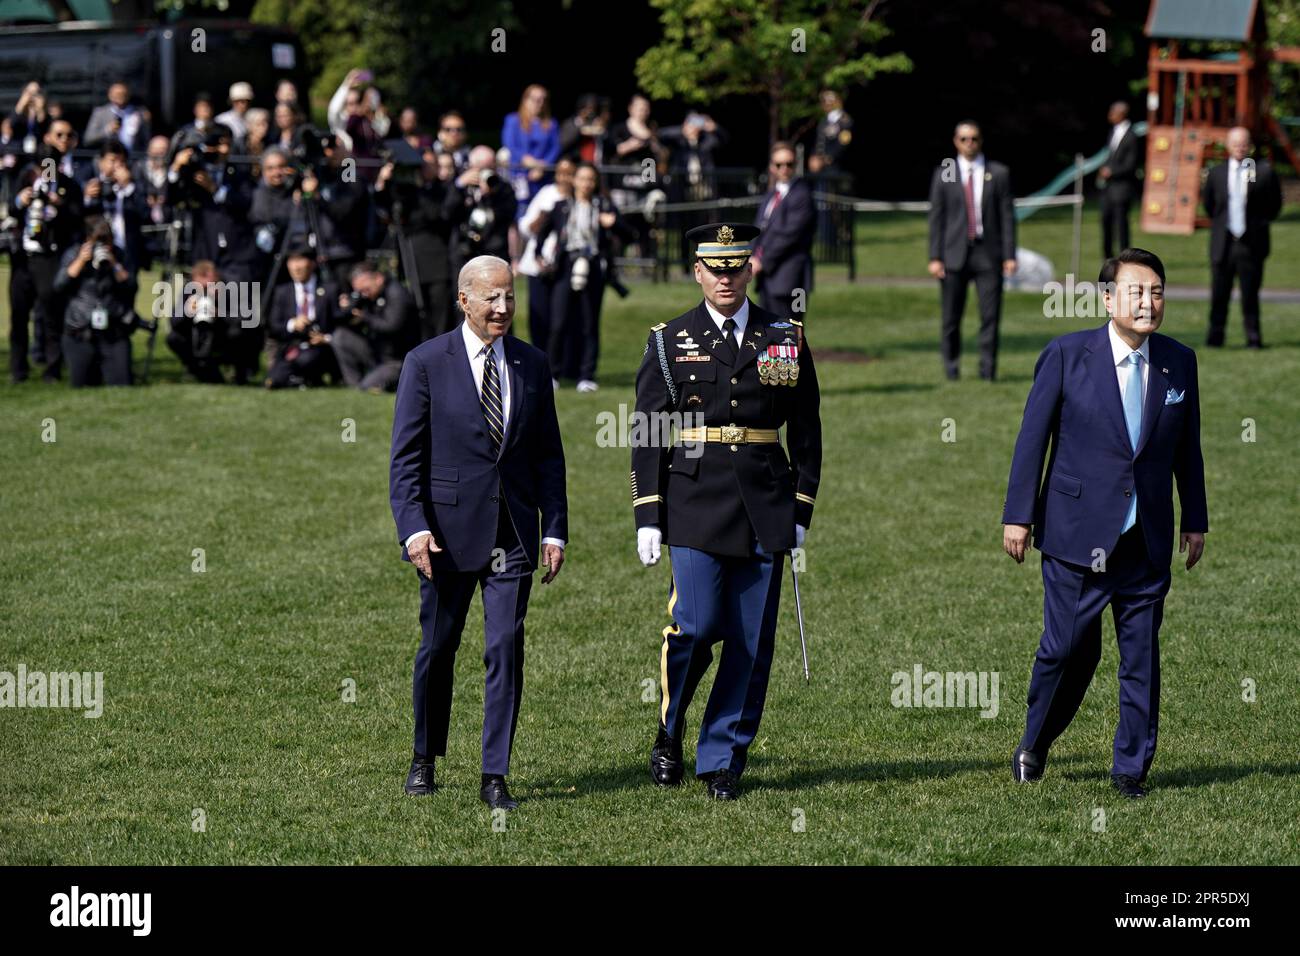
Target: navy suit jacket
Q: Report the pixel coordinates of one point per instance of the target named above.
(443, 475)
(785, 246)
(1081, 502)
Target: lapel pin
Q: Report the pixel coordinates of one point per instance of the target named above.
(1165, 370)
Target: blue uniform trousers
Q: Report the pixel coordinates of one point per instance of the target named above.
(733, 601)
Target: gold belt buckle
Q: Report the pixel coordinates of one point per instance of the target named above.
(733, 434)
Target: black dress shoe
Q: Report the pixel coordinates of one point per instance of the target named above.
(723, 785)
(666, 765)
(419, 779)
(495, 795)
(1128, 786)
(1027, 767)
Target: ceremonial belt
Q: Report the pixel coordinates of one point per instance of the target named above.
(732, 435)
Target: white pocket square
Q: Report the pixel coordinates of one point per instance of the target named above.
(1173, 396)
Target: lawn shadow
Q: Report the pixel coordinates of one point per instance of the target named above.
(1199, 776)
(897, 771)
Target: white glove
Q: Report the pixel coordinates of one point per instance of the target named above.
(800, 532)
(647, 544)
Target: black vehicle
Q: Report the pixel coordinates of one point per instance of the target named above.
(164, 64)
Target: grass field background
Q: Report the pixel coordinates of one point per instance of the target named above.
(223, 688)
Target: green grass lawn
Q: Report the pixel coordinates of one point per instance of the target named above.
(224, 688)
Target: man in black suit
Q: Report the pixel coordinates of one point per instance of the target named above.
(378, 326)
(782, 263)
(220, 194)
(1119, 180)
(304, 314)
(972, 236)
(477, 489)
(1242, 197)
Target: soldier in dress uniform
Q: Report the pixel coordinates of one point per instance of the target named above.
(725, 499)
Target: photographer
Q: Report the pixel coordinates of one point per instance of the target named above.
(210, 333)
(423, 212)
(302, 321)
(49, 215)
(113, 195)
(218, 194)
(379, 327)
(342, 204)
(489, 206)
(585, 225)
(99, 317)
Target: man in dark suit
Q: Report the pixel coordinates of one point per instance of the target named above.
(782, 262)
(1242, 197)
(725, 499)
(476, 461)
(304, 316)
(972, 236)
(1119, 179)
(1121, 407)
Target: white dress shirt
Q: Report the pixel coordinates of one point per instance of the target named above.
(474, 350)
(305, 291)
(964, 167)
(1120, 351)
(1117, 134)
(781, 190)
(741, 318)
(1236, 198)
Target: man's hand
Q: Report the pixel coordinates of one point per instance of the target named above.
(648, 540)
(419, 554)
(298, 323)
(1015, 541)
(1104, 172)
(204, 181)
(93, 188)
(552, 560)
(935, 268)
(1009, 267)
(1193, 542)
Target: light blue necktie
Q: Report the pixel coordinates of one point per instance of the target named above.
(1133, 418)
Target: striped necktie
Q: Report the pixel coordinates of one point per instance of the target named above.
(490, 398)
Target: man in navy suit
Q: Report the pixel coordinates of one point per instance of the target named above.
(1121, 407)
(476, 462)
(782, 261)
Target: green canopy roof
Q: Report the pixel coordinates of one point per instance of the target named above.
(1202, 19)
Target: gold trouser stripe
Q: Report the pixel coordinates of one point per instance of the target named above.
(734, 435)
(671, 631)
(646, 499)
(800, 496)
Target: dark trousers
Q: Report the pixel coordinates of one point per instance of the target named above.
(31, 282)
(444, 604)
(575, 318)
(539, 315)
(298, 365)
(1115, 205)
(1241, 263)
(436, 314)
(733, 601)
(982, 266)
(94, 358)
(1074, 598)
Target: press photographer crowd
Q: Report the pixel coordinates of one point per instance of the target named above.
(348, 237)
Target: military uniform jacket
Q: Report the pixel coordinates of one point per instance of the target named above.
(719, 497)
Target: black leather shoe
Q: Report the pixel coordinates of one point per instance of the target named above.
(723, 785)
(419, 779)
(1128, 786)
(495, 795)
(666, 765)
(1027, 767)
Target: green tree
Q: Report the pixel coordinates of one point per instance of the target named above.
(785, 51)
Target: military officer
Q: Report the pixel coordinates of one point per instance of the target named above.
(725, 499)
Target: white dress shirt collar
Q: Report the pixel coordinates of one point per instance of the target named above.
(965, 164)
(1120, 350)
(474, 345)
(1118, 131)
(741, 318)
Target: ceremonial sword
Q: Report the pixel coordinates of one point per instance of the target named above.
(798, 607)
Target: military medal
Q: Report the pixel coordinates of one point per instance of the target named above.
(779, 365)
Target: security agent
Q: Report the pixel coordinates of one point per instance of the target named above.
(726, 500)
